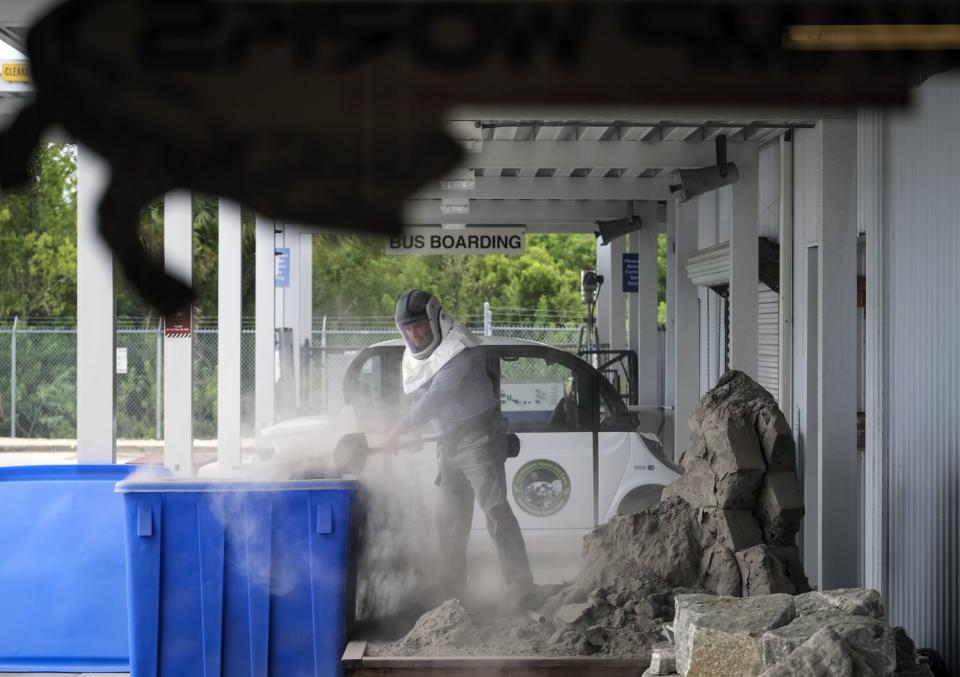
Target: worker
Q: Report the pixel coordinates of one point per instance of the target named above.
(452, 387)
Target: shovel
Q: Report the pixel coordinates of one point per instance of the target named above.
(350, 454)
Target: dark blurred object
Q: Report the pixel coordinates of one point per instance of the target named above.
(934, 661)
(331, 113)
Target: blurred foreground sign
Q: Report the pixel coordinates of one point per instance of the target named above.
(334, 112)
(425, 241)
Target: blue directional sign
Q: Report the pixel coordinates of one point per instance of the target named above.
(281, 267)
(631, 272)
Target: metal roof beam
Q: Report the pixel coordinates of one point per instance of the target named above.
(556, 188)
(517, 211)
(627, 154)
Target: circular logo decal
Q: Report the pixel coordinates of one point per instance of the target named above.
(541, 488)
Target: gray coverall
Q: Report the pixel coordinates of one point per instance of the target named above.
(460, 399)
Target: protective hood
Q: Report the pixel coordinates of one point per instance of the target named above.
(455, 338)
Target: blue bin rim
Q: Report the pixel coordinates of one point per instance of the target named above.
(22, 473)
(200, 486)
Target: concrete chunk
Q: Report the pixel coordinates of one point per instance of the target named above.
(872, 639)
(697, 487)
(857, 601)
(720, 572)
(737, 490)
(723, 635)
(733, 447)
(780, 507)
(735, 529)
(570, 614)
(663, 660)
(764, 573)
(776, 440)
(825, 654)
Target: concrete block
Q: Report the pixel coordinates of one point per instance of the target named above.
(856, 601)
(723, 635)
(871, 638)
(825, 653)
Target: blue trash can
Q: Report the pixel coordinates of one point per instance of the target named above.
(238, 579)
(63, 589)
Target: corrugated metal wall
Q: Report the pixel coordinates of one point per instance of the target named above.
(922, 229)
(768, 340)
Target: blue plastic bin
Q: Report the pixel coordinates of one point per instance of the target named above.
(238, 579)
(63, 592)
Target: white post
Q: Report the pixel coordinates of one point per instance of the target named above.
(870, 216)
(686, 322)
(228, 337)
(178, 350)
(786, 275)
(837, 336)
(744, 273)
(487, 319)
(644, 312)
(265, 379)
(707, 225)
(611, 306)
(305, 313)
(291, 304)
(670, 355)
(96, 434)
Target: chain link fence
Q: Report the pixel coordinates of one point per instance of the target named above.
(38, 370)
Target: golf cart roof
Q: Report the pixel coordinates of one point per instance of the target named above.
(484, 341)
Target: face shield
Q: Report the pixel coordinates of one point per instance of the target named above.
(418, 335)
(418, 319)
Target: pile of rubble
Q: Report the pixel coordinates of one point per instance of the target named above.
(716, 557)
(729, 523)
(622, 623)
(839, 633)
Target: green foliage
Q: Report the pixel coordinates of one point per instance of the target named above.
(353, 276)
(38, 239)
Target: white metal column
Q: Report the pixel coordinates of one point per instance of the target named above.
(96, 434)
(686, 322)
(670, 355)
(291, 301)
(870, 169)
(611, 306)
(785, 379)
(643, 313)
(265, 325)
(229, 308)
(744, 273)
(178, 350)
(710, 342)
(305, 310)
(837, 335)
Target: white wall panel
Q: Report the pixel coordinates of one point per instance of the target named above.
(922, 248)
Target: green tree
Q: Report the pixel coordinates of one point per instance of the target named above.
(38, 238)
(353, 276)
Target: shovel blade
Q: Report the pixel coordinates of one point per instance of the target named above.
(350, 454)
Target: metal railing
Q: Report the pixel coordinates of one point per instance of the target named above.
(38, 368)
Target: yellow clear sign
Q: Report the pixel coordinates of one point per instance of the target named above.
(16, 72)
